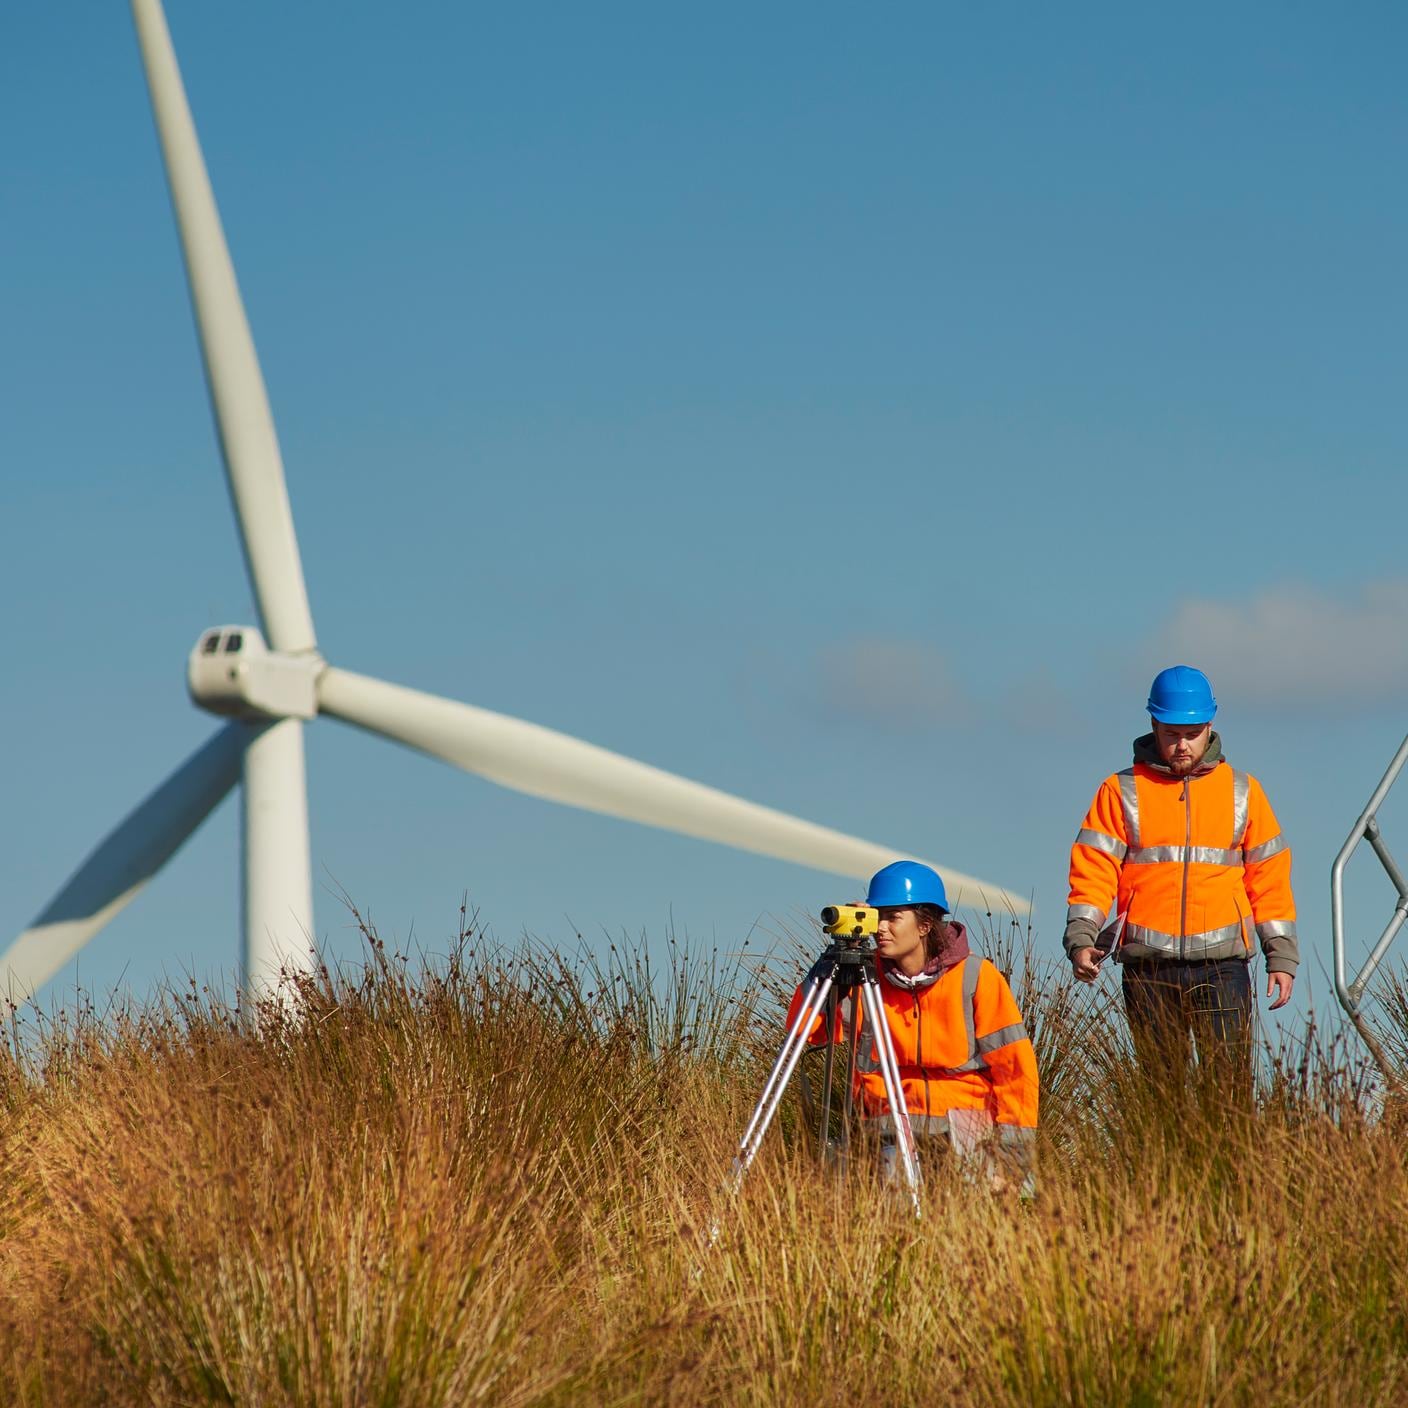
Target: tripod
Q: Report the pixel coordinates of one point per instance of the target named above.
(846, 966)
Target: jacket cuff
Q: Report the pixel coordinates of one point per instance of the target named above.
(1016, 1147)
(1280, 944)
(1080, 933)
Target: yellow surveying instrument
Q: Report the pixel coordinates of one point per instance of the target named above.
(851, 919)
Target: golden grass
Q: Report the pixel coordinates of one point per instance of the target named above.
(493, 1178)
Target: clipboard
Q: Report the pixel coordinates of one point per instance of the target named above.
(1108, 940)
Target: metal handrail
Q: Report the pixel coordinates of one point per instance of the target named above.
(1351, 993)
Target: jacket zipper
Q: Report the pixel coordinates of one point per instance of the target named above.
(1187, 800)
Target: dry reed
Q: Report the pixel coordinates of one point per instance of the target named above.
(492, 1178)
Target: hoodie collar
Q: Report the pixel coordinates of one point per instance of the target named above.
(955, 950)
(1146, 751)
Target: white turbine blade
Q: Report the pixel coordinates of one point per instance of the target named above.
(113, 875)
(543, 763)
(253, 465)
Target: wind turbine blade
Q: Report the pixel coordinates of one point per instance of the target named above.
(543, 763)
(134, 851)
(253, 466)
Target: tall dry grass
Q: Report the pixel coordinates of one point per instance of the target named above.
(493, 1178)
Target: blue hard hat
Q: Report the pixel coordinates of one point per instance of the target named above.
(905, 883)
(1181, 695)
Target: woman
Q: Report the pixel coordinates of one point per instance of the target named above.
(966, 1065)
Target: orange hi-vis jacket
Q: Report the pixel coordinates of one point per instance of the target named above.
(960, 1044)
(1194, 866)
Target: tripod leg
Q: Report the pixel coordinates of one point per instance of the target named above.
(812, 1000)
(894, 1088)
(783, 1067)
(824, 1115)
(848, 1108)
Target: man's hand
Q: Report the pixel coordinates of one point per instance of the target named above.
(1280, 984)
(1087, 970)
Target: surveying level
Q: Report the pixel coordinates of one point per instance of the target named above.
(845, 969)
(854, 920)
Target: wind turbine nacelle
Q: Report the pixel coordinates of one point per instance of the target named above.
(231, 671)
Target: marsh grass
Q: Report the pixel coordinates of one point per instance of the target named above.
(492, 1177)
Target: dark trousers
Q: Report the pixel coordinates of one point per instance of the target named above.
(1175, 1007)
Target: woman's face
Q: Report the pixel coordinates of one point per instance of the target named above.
(899, 938)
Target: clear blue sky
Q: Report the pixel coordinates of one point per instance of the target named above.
(850, 408)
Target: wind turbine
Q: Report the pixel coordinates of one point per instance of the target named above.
(269, 682)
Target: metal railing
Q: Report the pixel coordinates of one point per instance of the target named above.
(1351, 991)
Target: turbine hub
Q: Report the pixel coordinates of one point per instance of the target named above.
(232, 672)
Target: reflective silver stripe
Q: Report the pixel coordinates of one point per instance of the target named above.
(1197, 855)
(1213, 855)
(1129, 797)
(1241, 792)
(1154, 855)
(1004, 1036)
(972, 966)
(919, 1124)
(1266, 849)
(1085, 911)
(1098, 841)
(1277, 929)
(1189, 946)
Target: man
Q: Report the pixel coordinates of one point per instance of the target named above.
(1188, 851)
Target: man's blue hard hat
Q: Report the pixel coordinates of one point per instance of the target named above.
(1181, 695)
(906, 883)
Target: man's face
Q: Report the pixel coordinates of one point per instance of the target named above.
(1182, 746)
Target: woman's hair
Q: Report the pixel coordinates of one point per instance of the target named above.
(939, 931)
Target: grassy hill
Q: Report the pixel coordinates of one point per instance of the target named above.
(492, 1178)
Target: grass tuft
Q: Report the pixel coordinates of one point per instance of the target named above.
(498, 1176)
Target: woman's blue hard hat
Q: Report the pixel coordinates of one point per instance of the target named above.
(905, 883)
(1181, 695)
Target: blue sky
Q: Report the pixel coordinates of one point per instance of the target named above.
(848, 408)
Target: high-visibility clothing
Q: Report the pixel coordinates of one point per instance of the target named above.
(960, 1044)
(1195, 867)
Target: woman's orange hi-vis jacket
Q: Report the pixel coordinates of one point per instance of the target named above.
(1194, 866)
(960, 1043)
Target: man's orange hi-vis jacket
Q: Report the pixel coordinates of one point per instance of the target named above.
(1194, 867)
